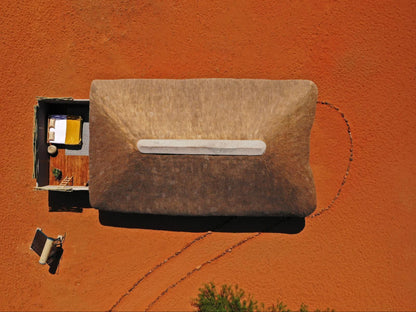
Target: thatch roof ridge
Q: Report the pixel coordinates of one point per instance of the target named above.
(278, 112)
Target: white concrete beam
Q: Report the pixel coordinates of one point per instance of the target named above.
(203, 147)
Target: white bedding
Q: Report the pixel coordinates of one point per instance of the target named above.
(59, 129)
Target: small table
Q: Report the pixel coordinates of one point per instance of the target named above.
(52, 149)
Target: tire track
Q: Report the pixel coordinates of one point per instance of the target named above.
(249, 238)
(199, 267)
(351, 157)
(160, 264)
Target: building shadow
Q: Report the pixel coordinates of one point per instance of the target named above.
(68, 201)
(78, 200)
(287, 225)
(54, 259)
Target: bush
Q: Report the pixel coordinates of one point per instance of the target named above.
(228, 299)
(57, 173)
(234, 299)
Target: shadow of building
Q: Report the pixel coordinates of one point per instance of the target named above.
(287, 225)
(77, 201)
(68, 201)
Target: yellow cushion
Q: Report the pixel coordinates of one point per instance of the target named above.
(73, 131)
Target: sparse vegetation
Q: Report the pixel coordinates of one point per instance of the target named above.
(57, 173)
(234, 299)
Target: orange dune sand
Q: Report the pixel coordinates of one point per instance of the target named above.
(360, 255)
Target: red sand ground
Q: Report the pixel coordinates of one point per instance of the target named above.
(361, 54)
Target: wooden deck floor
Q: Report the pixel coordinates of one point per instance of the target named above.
(75, 166)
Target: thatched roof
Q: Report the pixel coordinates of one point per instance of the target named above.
(280, 113)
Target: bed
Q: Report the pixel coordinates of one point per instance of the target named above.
(64, 129)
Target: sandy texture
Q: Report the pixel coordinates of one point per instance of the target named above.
(358, 256)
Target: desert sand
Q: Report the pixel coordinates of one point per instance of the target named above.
(359, 255)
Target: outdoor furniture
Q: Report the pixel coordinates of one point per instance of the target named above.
(52, 149)
(64, 129)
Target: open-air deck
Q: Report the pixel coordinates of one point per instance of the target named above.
(71, 160)
(71, 166)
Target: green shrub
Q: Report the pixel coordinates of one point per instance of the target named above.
(234, 299)
(228, 299)
(57, 173)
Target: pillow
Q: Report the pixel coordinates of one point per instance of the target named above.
(51, 136)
